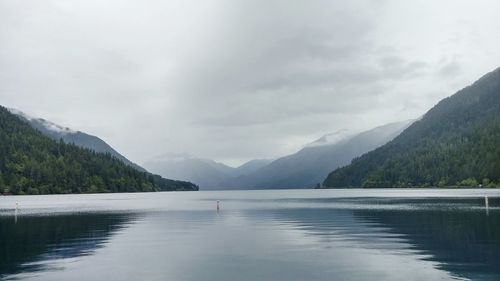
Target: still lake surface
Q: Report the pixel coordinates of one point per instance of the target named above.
(257, 235)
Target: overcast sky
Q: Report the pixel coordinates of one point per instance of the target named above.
(236, 80)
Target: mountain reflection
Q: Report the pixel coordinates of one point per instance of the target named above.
(454, 233)
(29, 242)
(466, 243)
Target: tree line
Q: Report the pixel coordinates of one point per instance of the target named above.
(456, 143)
(32, 163)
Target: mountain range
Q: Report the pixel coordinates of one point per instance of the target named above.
(456, 143)
(310, 166)
(304, 169)
(205, 172)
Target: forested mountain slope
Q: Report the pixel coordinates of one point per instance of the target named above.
(457, 142)
(35, 164)
(57, 132)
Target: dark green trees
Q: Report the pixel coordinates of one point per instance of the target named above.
(456, 143)
(31, 163)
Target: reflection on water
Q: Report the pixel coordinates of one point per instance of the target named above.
(30, 243)
(466, 243)
(257, 236)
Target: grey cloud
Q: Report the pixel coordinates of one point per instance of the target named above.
(234, 80)
(450, 69)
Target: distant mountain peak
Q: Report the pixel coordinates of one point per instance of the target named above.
(332, 138)
(207, 173)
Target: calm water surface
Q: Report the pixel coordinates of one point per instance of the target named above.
(257, 235)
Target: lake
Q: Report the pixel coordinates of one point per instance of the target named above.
(387, 234)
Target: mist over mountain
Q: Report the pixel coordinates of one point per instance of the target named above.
(32, 163)
(251, 166)
(57, 132)
(457, 142)
(309, 166)
(207, 173)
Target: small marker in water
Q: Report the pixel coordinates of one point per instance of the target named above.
(218, 207)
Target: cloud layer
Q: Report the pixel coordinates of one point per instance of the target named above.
(236, 80)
